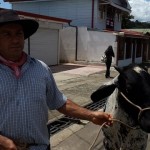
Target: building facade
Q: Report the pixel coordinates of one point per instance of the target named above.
(95, 14)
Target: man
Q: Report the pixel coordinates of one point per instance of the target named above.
(28, 89)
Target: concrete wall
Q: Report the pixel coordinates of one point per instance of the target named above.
(98, 43)
(90, 44)
(67, 44)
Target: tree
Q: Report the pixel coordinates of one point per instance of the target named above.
(126, 21)
(128, 24)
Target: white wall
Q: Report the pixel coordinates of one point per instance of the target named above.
(98, 43)
(90, 44)
(82, 45)
(67, 44)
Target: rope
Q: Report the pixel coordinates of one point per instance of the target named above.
(115, 120)
(90, 148)
(141, 110)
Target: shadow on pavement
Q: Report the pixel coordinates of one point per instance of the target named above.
(64, 67)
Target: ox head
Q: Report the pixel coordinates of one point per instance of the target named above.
(134, 83)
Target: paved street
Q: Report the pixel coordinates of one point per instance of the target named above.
(77, 82)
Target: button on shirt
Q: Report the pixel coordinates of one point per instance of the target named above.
(24, 103)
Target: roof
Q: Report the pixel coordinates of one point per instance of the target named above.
(132, 33)
(37, 16)
(126, 9)
(129, 33)
(43, 17)
(146, 30)
(120, 4)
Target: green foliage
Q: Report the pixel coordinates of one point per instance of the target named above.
(127, 23)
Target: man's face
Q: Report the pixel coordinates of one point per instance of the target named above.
(11, 41)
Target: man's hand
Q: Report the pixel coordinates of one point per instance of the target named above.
(6, 143)
(99, 117)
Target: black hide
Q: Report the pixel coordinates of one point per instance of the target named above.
(134, 82)
(103, 92)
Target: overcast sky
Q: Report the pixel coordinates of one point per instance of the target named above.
(140, 9)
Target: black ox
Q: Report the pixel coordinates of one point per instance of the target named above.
(128, 101)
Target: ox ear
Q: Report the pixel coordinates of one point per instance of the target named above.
(103, 92)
